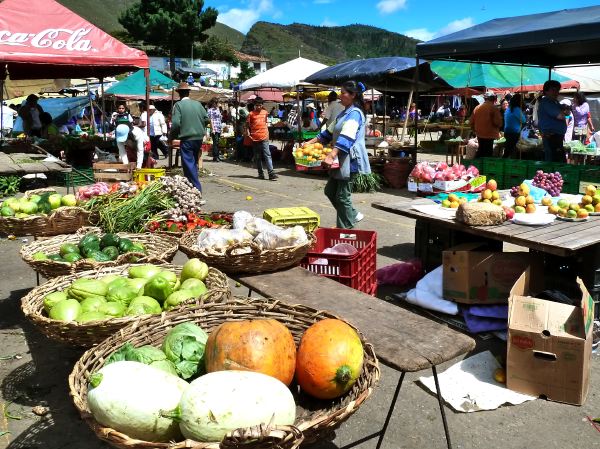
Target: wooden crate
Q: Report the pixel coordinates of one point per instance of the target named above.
(112, 172)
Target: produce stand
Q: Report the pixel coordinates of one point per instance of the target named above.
(576, 245)
(418, 344)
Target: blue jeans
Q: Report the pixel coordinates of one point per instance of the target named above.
(262, 150)
(190, 150)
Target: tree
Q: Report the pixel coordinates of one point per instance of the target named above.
(215, 49)
(246, 72)
(172, 25)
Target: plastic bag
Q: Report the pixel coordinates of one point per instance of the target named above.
(219, 240)
(281, 238)
(240, 219)
(257, 225)
(342, 249)
(400, 274)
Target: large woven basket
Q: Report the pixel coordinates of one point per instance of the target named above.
(63, 220)
(160, 249)
(314, 418)
(91, 333)
(256, 261)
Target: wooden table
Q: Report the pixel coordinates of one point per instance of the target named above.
(560, 238)
(402, 339)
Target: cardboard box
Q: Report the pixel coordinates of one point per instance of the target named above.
(462, 185)
(549, 344)
(473, 276)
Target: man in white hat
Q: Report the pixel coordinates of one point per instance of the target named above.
(155, 126)
(486, 122)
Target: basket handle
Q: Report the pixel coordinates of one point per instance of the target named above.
(254, 248)
(87, 229)
(254, 436)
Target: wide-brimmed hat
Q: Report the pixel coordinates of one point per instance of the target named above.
(183, 86)
(311, 106)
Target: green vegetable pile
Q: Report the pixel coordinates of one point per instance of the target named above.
(149, 289)
(9, 185)
(130, 214)
(104, 249)
(370, 183)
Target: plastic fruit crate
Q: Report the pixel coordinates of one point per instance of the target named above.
(515, 167)
(292, 216)
(534, 166)
(82, 177)
(356, 271)
(477, 162)
(148, 174)
(570, 173)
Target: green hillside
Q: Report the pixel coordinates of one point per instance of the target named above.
(328, 45)
(105, 14)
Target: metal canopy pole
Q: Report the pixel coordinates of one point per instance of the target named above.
(93, 118)
(416, 89)
(103, 112)
(147, 76)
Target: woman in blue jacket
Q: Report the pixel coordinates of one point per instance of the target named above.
(514, 119)
(347, 133)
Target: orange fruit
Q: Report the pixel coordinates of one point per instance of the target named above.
(500, 376)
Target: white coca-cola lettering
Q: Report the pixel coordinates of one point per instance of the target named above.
(55, 38)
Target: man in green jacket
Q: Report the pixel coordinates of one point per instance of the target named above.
(189, 125)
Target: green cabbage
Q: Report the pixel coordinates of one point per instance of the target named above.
(148, 355)
(184, 346)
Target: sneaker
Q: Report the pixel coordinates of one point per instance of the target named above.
(261, 176)
(273, 177)
(359, 217)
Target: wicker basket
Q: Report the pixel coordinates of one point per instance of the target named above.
(164, 217)
(160, 249)
(63, 220)
(89, 334)
(256, 261)
(314, 418)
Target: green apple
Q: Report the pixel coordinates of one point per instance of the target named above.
(572, 213)
(445, 203)
(589, 208)
(69, 200)
(574, 206)
(563, 204)
(54, 200)
(519, 209)
(29, 208)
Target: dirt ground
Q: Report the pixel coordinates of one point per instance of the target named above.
(34, 369)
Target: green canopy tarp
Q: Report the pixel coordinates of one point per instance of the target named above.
(134, 86)
(491, 76)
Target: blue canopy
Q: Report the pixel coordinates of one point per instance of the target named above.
(390, 73)
(570, 36)
(61, 109)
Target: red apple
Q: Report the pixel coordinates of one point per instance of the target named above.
(492, 185)
(510, 213)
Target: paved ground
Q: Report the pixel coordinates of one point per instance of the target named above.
(34, 370)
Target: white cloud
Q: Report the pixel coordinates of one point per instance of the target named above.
(328, 23)
(424, 34)
(242, 19)
(389, 6)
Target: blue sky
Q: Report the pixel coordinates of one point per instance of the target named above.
(422, 19)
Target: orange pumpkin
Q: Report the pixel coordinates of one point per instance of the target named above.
(263, 346)
(329, 359)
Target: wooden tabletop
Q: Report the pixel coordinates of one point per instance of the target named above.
(402, 339)
(562, 238)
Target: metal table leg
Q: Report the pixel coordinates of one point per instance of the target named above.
(390, 411)
(441, 402)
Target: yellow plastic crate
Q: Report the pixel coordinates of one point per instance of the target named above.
(292, 216)
(148, 174)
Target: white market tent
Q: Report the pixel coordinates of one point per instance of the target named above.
(588, 77)
(285, 76)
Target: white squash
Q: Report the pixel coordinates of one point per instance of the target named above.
(130, 396)
(219, 402)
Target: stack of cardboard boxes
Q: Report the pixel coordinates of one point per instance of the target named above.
(549, 343)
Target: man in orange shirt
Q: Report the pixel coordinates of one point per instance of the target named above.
(486, 122)
(259, 134)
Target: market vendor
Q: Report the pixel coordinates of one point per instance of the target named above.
(582, 119)
(132, 142)
(551, 122)
(121, 116)
(49, 129)
(347, 133)
(486, 121)
(31, 113)
(514, 119)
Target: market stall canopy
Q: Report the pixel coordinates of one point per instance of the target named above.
(587, 76)
(387, 74)
(204, 94)
(488, 76)
(61, 109)
(195, 71)
(285, 76)
(134, 86)
(567, 37)
(267, 95)
(43, 39)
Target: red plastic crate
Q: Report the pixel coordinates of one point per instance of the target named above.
(356, 271)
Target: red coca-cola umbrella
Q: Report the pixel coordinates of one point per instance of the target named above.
(43, 39)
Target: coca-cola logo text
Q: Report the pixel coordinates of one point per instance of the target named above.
(56, 38)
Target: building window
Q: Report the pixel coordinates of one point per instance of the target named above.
(257, 66)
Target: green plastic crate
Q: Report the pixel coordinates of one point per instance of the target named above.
(76, 178)
(570, 173)
(534, 166)
(477, 162)
(515, 167)
(292, 216)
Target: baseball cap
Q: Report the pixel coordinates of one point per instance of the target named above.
(566, 102)
(122, 132)
(152, 107)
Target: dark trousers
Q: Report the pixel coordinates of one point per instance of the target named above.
(190, 151)
(510, 147)
(553, 147)
(215, 146)
(486, 147)
(340, 194)
(157, 144)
